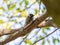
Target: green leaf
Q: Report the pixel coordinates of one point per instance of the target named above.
(27, 41)
(26, 3)
(58, 40)
(47, 28)
(1, 8)
(8, 26)
(55, 40)
(5, 1)
(41, 36)
(11, 6)
(18, 9)
(11, 20)
(43, 42)
(38, 1)
(37, 38)
(36, 11)
(1, 21)
(43, 31)
(21, 2)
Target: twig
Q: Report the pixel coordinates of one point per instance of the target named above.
(46, 36)
(24, 38)
(35, 34)
(39, 6)
(29, 6)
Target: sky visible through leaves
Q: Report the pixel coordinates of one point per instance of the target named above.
(13, 15)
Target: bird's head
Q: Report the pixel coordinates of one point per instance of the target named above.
(31, 15)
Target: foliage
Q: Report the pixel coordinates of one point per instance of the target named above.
(16, 12)
(28, 42)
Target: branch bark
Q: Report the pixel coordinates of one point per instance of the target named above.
(24, 30)
(42, 24)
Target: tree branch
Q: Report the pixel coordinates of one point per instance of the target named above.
(6, 32)
(45, 36)
(42, 24)
(24, 30)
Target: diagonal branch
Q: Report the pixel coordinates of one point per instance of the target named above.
(42, 24)
(24, 30)
(45, 36)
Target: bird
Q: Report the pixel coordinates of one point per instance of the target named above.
(29, 19)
